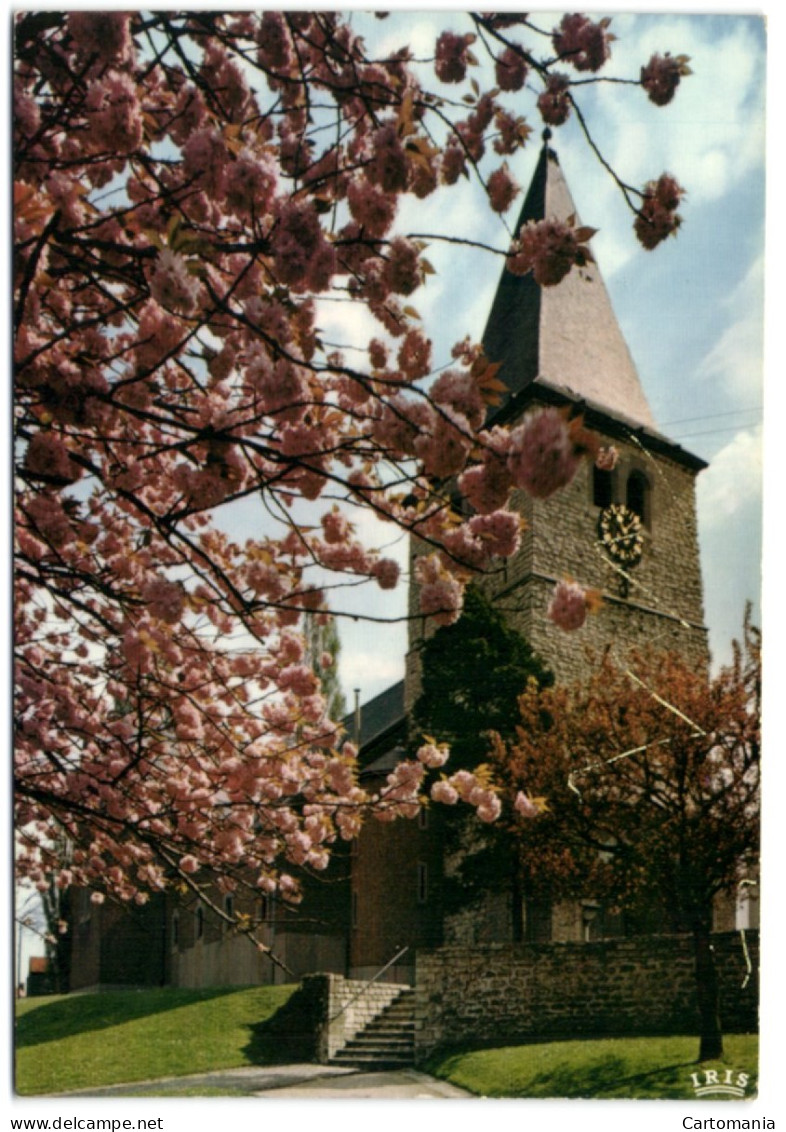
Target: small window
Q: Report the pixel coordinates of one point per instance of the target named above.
(229, 909)
(602, 494)
(422, 818)
(200, 922)
(175, 929)
(637, 495)
(422, 882)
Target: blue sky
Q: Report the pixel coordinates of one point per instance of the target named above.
(691, 311)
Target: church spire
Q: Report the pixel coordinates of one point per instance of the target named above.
(565, 337)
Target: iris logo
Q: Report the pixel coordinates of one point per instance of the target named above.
(719, 1083)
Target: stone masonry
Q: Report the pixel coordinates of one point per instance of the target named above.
(497, 993)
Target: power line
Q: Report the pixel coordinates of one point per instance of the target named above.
(713, 416)
(709, 432)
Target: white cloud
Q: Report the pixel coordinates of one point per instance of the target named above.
(733, 480)
(711, 134)
(736, 360)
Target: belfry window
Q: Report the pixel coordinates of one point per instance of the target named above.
(637, 492)
(602, 495)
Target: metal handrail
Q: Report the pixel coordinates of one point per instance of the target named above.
(370, 982)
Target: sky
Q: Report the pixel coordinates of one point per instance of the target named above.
(691, 311)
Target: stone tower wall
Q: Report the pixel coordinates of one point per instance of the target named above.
(663, 609)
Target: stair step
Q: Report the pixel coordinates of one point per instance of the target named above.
(387, 1041)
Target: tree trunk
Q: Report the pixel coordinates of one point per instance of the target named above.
(708, 994)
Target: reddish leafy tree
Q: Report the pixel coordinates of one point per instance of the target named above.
(188, 188)
(643, 787)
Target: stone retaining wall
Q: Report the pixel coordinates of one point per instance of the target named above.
(500, 992)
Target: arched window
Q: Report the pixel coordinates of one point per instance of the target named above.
(637, 495)
(602, 487)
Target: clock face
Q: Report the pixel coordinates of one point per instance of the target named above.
(620, 532)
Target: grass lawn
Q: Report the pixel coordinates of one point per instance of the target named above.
(84, 1041)
(654, 1068)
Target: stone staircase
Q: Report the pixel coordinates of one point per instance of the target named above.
(387, 1041)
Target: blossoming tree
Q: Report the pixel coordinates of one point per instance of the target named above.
(647, 801)
(189, 188)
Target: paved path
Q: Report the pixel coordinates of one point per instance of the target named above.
(276, 1081)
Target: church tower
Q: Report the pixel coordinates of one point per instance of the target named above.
(630, 533)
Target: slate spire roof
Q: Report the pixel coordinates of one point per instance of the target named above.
(565, 337)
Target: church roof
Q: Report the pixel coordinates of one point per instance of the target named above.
(381, 720)
(567, 336)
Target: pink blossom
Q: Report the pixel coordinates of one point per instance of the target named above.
(115, 113)
(442, 791)
(48, 457)
(104, 34)
(388, 167)
(661, 77)
(487, 486)
(459, 391)
(465, 782)
(50, 520)
(250, 184)
(442, 600)
(304, 258)
(502, 189)
(189, 863)
(373, 207)
(206, 161)
(511, 69)
(543, 457)
(451, 56)
(158, 334)
(164, 599)
(554, 103)
(500, 532)
(433, 756)
(402, 271)
(444, 443)
(607, 458)
(378, 353)
(274, 38)
(282, 386)
(454, 162)
(414, 355)
(27, 113)
(386, 571)
(441, 595)
(549, 249)
(336, 526)
(585, 44)
(512, 132)
(524, 806)
(489, 809)
(568, 606)
(657, 218)
(171, 283)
